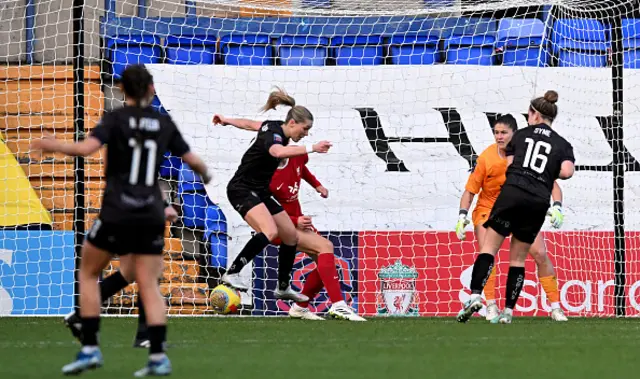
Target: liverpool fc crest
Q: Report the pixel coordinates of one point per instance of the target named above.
(398, 295)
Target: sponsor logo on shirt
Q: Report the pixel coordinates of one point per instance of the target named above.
(277, 138)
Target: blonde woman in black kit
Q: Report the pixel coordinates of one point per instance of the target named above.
(248, 190)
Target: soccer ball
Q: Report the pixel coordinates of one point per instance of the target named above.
(224, 300)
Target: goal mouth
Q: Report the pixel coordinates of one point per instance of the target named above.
(408, 92)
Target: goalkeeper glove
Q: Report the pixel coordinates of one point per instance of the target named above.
(556, 215)
(462, 223)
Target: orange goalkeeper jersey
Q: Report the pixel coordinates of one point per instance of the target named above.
(487, 177)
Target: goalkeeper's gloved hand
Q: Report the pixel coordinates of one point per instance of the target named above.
(462, 223)
(556, 215)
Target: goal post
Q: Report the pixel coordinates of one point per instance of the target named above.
(407, 91)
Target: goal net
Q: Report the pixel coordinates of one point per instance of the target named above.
(406, 90)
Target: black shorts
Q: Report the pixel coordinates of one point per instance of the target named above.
(126, 239)
(519, 213)
(243, 199)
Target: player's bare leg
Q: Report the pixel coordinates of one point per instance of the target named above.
(490, 287)
(286, 257)
(109, 286)
(481, 270)
(148, 269)
(548, 278)
(320, 247)
(93, 261)
(266, 229)
(515, 279)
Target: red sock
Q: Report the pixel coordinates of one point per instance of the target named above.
(312, 287)
(329, 275)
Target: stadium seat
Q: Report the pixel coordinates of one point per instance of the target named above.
(580, 43)
(247, 49)
(302, 50)
(132, 49)
(215, 236)
(190, 50)
(189, 181)
(414, 49)
(471, 42)
(520, 41)
(357, 50)
(631, 42)
(170, 167)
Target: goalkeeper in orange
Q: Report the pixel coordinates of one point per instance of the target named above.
(486, 179)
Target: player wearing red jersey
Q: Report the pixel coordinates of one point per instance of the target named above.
(285, 188)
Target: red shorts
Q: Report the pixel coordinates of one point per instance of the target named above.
(277, 241)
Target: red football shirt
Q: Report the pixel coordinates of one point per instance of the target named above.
(285, 184)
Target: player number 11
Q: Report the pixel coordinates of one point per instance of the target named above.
(134, 173)
(534, 158)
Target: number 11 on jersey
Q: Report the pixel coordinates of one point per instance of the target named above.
(134, 173)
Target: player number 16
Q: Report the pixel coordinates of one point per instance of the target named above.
(534, 158)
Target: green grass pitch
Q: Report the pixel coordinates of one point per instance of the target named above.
(381, 348)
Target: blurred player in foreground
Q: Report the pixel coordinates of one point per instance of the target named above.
(536, 157)
(285, 187)
(248, 191)
(487, 179)
(132, 218)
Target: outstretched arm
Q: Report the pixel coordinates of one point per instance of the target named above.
(50, 144)
(281, 152)
(240, 123)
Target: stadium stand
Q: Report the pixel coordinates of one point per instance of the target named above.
(190, 49)
(580, 43)
(631, 42)
(521, 42)
(302, 50)
(414, 49)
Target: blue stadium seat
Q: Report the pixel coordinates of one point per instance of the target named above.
(215, 236)
(471, 42)
(631, 42)
(197, 49)
(520, 41)
(197, 208)
(414, 49)
(580, 43)
(132, 49)
(189, 181)
(170, 167)
(247, 49)
(357, 50)
(302, 50)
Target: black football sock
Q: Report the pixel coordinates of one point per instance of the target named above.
(111, 285)
(90, 328)
(142, 333)
(515, 281)
(481, 271)
(256, 244)
(286, 257)
(157, 336)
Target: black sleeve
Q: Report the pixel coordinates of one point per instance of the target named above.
(177, 145)
(510, 149)
(568, 153)
(271, 137)
(102, 131)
